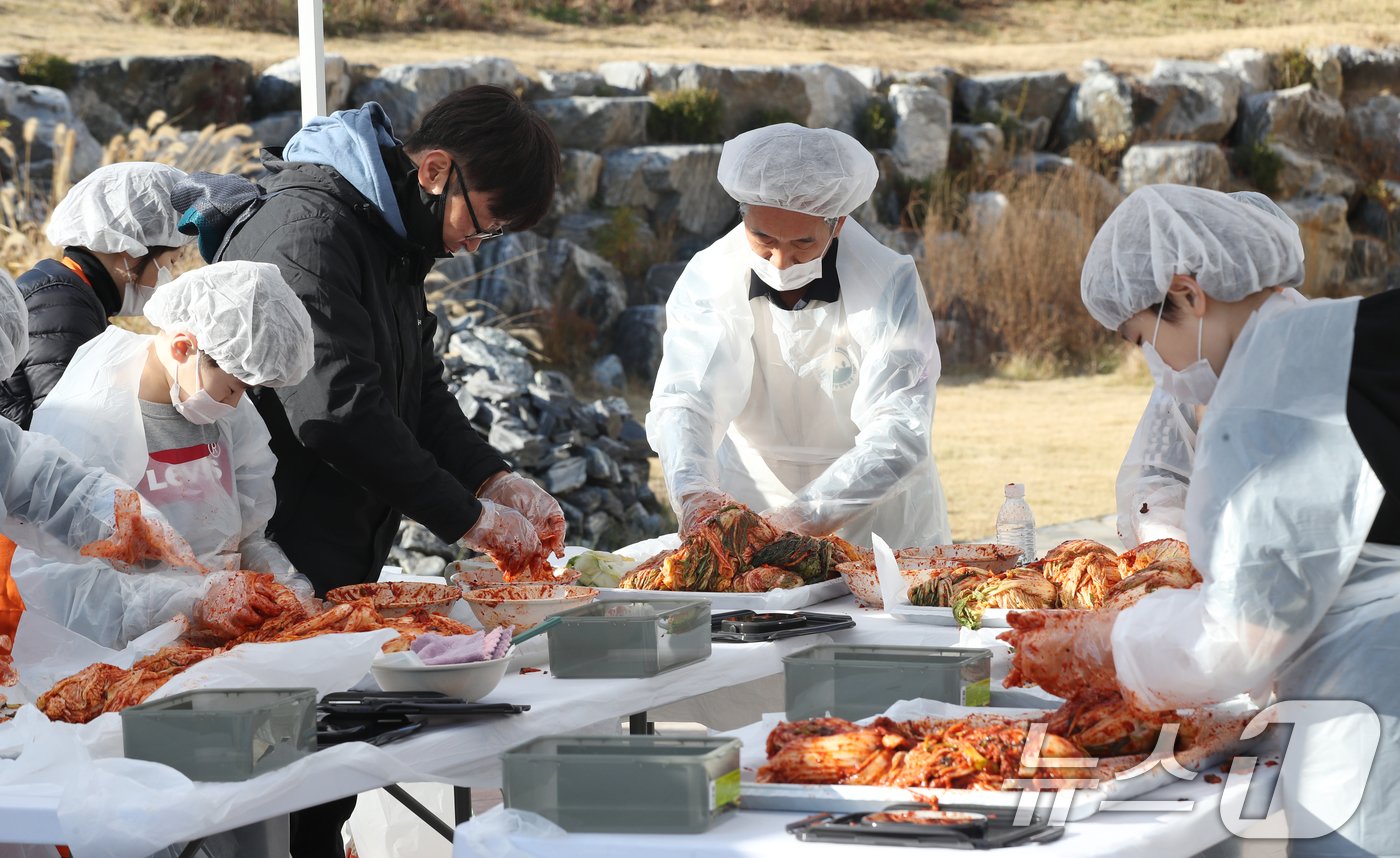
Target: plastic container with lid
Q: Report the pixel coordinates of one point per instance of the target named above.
(229, 734)
(623, 640)
(851, 682)
(624, 784)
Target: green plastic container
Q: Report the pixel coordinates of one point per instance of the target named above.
(632, 639)
(624, 784)
(230, 734)
(854, 682)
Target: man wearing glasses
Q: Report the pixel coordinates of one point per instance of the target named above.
(355, 220)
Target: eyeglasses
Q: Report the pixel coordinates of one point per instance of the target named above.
(480, 234)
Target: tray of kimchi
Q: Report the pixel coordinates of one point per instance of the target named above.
(930, 752)
(1080, 574)
(735, 559)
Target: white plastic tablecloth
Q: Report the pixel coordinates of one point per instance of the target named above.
(137, 815)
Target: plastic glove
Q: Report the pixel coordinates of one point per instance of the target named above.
(141, 533)
(531, 501)
(697, 507)
(511, 541)
(7, 670)
(1064, 652)
(236, 603)
(790, 518)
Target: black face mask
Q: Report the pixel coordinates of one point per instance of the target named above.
(423, 213)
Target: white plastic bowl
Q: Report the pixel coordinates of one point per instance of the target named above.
(481, 572)
(524, 606)
(470, 682)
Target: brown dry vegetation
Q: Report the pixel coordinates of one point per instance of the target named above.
(1004, 34)
(25, 206)
(1010, 289)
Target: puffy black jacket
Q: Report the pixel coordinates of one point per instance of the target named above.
(64, 313)
(372, 431)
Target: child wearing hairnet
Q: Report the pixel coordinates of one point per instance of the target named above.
(118, 232)
(168, 415)
(1290, 515)
(53, 503)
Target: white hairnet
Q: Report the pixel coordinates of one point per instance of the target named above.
(815, 171)
(14, 326)
(1233, 244)
(244, 316)
(120, 208)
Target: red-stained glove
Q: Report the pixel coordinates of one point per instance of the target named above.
(141, 534)
(511, 541)
(537, 505)
(697, 508)
(234, 604)
(1064, 652)
(7, 670)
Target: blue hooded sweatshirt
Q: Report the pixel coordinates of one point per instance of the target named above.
(349, 141)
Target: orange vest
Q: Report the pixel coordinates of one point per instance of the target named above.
(11, 605)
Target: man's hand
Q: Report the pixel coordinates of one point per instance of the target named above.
(511, 541)
(536, 504)
(788, 518)
(141, 535)
(697, 508)
(1064, 652)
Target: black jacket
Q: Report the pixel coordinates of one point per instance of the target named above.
(1373, 403)
(372, 431)
(64, 313)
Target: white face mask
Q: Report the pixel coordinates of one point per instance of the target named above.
(137, 296)
(200, 408)
(792, 277)
(1190, 386)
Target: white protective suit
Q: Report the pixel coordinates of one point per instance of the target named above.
(828, 407)
(94, 412)
(50, 501)
(1280, 506)
(1155, 474)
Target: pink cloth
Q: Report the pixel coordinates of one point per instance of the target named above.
(462, 649)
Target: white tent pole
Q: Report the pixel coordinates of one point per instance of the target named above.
(312, 38)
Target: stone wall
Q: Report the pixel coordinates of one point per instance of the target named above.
(1319, 131)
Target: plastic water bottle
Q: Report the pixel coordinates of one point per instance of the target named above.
(1015, 524)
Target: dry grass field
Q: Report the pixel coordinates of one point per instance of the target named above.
(999, 34)
(1063, 437)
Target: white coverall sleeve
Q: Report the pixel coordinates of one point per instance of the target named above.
(704, 378)
(893, 407)
(53, 504)
(1279, 509)
(1156, 473)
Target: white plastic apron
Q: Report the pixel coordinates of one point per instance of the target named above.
(194, 489)
(797, 422)
(1351, 656)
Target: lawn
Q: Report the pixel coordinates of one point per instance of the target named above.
(1064, 438)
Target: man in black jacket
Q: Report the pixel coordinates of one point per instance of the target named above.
(355, 221)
